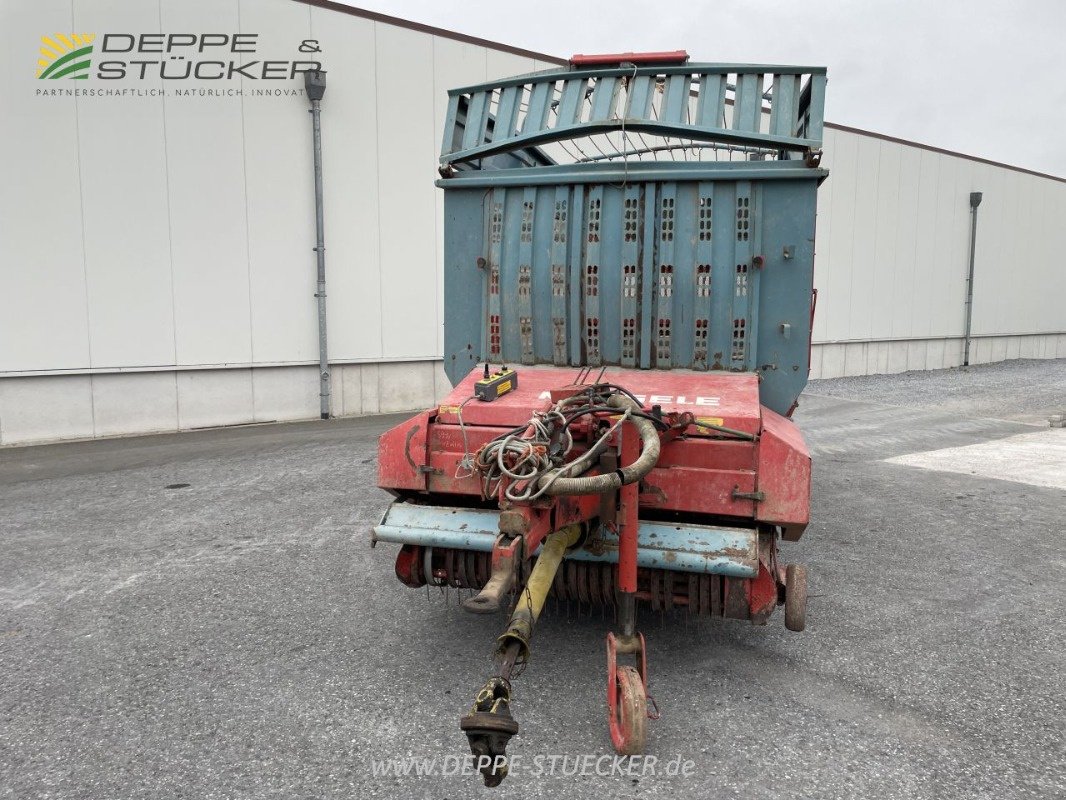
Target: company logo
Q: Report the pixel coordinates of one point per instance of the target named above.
(187, 64)
(174, 56)
(65, 55)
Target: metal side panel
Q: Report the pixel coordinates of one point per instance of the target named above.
(680, 548)
(703, 275)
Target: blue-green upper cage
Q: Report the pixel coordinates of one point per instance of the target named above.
(652, 217)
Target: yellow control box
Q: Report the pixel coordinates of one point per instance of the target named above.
(498, 383)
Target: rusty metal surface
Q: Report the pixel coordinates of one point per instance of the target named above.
(784, 470)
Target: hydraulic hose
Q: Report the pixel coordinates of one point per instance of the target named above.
(609, 482)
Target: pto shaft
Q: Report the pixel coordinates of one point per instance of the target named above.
(489, 724)
(531, 600)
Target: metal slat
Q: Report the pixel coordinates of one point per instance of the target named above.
(559, 247)
(494, 329)
(638, 104)
(604, 95)
(507, 113)
(573, 98)
(540, 96)
(817, 107)
(703, 269)
(450, 117)
(610, 278)
(775, 107)
(684, 275)
(723, 250)
(591, 281)
(525, 275)
(629, 293)
(747, 103)
(783, 105)
(576, 252)
(476, 119)
(649, 254)
(675, 99)
(710, 108)
(740, 322)
(665, 269)
(797, 92)
(755, 281)
(511, 349)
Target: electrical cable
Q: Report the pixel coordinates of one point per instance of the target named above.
(467, 461)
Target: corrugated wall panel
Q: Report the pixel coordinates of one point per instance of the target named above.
(903, 267)
(949, 252)
(208, 241)
(350, 164)
(281, 210)
(125, 211)
(406, 141)
(887, 212)
(865, 226)
(44, 322)
(835, 299)
(893, 263)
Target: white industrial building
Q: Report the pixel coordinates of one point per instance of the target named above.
(157, 269)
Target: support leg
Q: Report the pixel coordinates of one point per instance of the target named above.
(627, 704)
(505, 554)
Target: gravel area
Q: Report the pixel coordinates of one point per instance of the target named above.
(1030, 390)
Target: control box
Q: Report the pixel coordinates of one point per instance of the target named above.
(495, 384)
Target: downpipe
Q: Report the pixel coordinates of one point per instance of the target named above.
(975, 201)
(315, 85)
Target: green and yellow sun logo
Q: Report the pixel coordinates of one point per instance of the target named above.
(65, 55)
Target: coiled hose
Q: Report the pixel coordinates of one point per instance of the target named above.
(554, 484)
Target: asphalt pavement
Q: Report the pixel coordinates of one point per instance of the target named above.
(200, 615)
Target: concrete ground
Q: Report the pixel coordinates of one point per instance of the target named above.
(237, 637)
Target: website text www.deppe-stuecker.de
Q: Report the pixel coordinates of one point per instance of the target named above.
(541, 765)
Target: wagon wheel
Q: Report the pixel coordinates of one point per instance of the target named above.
(796, 597)
(629, 723)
